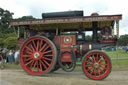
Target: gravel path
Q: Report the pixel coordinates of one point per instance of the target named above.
(19, 77)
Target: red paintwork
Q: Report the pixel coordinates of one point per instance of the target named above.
(57, 40)
(66, 57)
(108, 41)
(109, 45)
(66, 42)
(20, 42)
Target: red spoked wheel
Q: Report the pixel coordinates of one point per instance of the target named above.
(96, 65)
(38, 55)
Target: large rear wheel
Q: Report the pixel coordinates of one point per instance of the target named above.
(96, 65)
(38, 55)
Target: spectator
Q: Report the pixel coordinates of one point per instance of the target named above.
(3, 58)
(16, 56)
(10, 57)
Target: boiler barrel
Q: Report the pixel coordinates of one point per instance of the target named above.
(62, 14)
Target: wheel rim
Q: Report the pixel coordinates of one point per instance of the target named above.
(37, 55)
(97, 65)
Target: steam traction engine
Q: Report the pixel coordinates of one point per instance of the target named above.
(57, 40)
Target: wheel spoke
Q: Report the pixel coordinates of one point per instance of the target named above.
(98, 71)
(47, 59)
(43, 64)
(89, 62)
(30, 53)
(37, 65)
(103, 71)
(89, 65)
(30, 58)
(103, 64)
(32, 48)
(28, 62)
(94, 58)
(34, 44)
(38, 45)
(90, 69)
(41, 43)
(90, 59)
(43, 47)
(48, 55)
(101, 61)
(46, 62)
(34, 66)
(26, 56)
(29, 49)
(94, 71)
(97, 57)
(47, 52)
(46, 48)
(41, 67)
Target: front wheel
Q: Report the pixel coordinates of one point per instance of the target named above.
(38, 55)
(96, 65)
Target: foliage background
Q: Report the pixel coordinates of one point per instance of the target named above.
(8, 38)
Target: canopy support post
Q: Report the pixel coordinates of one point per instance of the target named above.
(57, 31)
(95, 28)
(18, 32)
(117, 28)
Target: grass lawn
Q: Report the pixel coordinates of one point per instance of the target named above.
(12, 66)
(117, 64)
(117, 54)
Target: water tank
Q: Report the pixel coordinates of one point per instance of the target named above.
(62, 14)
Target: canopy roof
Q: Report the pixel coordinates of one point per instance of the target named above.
(69, 22)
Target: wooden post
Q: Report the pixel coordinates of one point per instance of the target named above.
(57, 31)
(95, 28)
(18, 33)
(117, 28)
(112, 30)
(112, 27)
(24, 33)
(14, 30)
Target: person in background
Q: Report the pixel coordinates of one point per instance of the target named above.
(10, 57)
(16, 56)
(3, 58)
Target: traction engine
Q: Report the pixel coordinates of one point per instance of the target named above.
(59, 39)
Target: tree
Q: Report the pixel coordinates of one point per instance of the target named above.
(123, 40)
(5, 18)
(10, 43)
(25, 18)
(88, 38)
(22, 19)
(8, 39)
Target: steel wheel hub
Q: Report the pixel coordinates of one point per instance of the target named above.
(36, 55)
(96, 65)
